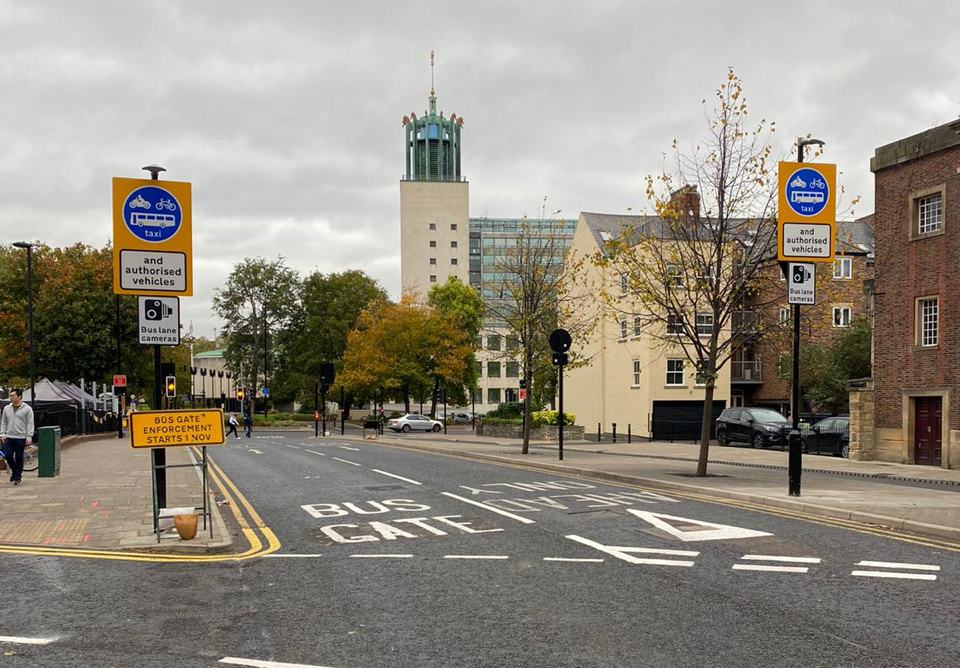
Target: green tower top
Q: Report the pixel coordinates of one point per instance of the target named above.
(432, 145)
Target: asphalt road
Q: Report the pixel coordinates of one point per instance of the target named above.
(399, 559)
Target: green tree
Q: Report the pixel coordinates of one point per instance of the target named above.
(330, 305)
(464, 305)
(257, 304)
(826, 386)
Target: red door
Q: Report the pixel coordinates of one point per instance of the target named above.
(927, 435)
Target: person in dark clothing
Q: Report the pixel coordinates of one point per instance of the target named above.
(248, 423)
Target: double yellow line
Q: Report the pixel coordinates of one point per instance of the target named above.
(259, 536)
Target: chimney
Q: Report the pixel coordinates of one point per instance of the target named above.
(687, 203)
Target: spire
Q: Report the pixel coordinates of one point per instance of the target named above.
(433, 93)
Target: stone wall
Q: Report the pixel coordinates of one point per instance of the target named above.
(862, 438)
(570, 433)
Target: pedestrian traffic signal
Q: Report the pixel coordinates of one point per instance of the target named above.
(239, 394)
(171, 386)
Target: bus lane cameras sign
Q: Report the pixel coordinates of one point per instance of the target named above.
(152, 237)
(806, 211)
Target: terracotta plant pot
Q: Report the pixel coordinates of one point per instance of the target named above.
(186, 526)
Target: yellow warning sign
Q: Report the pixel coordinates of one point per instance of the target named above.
(164, 429)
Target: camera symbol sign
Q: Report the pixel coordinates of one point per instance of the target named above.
(152, 214)
(159, 321)
(801, 285)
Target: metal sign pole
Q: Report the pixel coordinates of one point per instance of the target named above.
(560, 415)
(323, 391)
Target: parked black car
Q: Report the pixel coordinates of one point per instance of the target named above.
(760, 427)
(828, 437)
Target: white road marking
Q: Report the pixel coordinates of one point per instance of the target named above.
(524, 520)
(292, 556)
(254, 663)
(347, 447)
(256, 452)
(316, 453)
(887, 574)
(705, 530)
(345, 461)
(475, 556)
(586, 561)
(789, 560)
(381, 556)
(623, 553)
(295, 447)
(894, 564)
(772, 569)
(398, 477)
(26, 641)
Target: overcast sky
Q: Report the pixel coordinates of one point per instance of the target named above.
(285, 116)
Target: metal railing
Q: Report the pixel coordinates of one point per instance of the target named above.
(746, 371)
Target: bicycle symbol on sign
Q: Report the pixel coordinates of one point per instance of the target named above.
(818, 183)
(165, 203)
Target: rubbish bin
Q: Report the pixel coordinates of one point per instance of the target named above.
(49, 452)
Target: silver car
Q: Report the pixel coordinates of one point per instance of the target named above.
(413, 422)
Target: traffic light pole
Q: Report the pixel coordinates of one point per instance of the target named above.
(159, 454)
(560, 406)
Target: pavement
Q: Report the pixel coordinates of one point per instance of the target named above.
(102, 500)
(390, 557)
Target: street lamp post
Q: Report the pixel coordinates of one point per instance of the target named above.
(795, 456)
(29, 248)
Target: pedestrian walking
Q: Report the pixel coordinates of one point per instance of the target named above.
(16, 433)
(248, 423)
(233, 425)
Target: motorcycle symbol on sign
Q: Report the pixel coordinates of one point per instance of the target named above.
(139, 203)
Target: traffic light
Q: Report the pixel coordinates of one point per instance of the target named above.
(239, 394)
(171, 386)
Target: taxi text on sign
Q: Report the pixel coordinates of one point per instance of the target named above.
(163, 429)
(806, 211)
(152, 237)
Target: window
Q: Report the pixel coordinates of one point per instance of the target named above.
(674, 372)
(636, 326)
(433, 260)
(785, 316)
(433, 244)
(513, 369)
(784, 365)
(453, 260)
(493, 395)
(843, 267)
(674, 324)
(453, 227)
(453, 244)
(479, 342)
(704, 324)
(510, 395)
(493, 369)
(623, 329)
(675, 275)
(513, 343)
(479, 369)
(841, 316)
(433, 279)
(928, 325)
(623, 284)
(636, 374)
(433, 226)
(493, 342)
(930, 213)
(707, 276)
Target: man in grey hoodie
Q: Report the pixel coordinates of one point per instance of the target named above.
(16, 433)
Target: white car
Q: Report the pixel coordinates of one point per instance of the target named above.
(413, 422)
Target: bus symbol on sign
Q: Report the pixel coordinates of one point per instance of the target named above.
(807, 192)
(152, 214)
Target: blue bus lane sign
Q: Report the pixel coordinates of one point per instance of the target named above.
(806, 211)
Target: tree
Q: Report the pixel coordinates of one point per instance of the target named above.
(258, 302)
(826, 371)
(686, 276)
(533, 294)
(74, 318)
(330, 305)
(462, 303)
(403, 347)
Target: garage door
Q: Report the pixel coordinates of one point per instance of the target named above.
(681, 420)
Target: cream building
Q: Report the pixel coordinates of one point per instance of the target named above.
(633, 378)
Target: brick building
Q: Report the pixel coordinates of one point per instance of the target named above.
(916, 352)
(761, 372)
